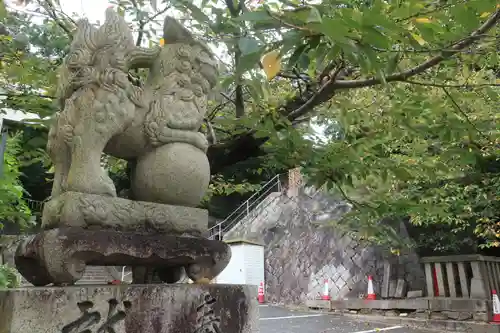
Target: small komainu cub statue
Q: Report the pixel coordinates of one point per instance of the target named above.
(155, 126)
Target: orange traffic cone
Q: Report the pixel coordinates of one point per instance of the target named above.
(261, 296)
(326, 292)
(370, 295)
(496, 308)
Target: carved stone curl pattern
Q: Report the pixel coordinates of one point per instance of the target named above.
(103, 111)
(60, 256)
(75, 209)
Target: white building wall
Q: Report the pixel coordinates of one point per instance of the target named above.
(11, 114)
(234, 273)
(254, 264)
(245, 267)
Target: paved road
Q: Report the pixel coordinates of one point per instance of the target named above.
(278, 320)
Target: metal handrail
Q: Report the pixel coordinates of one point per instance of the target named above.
(245, 208)
(249, 210)
(34, 204)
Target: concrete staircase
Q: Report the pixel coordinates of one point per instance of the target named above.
(249, 210)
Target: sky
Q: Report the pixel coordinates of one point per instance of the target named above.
(91, 9)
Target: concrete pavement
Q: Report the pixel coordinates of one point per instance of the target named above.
(278, 320)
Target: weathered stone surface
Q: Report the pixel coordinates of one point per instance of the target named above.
(180, 308)
(391, 313)
(481, 316)
(103, 111)
(392, 288)
(459, 304)
(74, 209)
(60, 256)
(423, 315)
(179, 167)
(318, 304)
(415, 293)
(456, 315)
(381, 304)
(438, 315)
(400, 289)
(438, 309)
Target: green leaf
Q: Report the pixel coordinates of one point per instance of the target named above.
(3, 11)
(248, 62)
(294, 58)
(254, 16)
(314, 15)
(401, 173)
(248, 45)
(392, 64)
(334, 29)
(196, 12)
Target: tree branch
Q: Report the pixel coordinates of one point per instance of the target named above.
(142, 24)
(445, 85)
(51, 11)
(462, 112)
(327, 91)
(158, 14)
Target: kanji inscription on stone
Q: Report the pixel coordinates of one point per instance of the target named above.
(207, 321)
(91, 321)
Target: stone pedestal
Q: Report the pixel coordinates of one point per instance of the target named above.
(59, 256)
(179, 308)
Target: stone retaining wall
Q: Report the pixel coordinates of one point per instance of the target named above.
(457, 309)
(303, 250)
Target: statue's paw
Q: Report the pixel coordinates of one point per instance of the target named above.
(200, 141)
(199, 273)
(203, 281)
(97, 182)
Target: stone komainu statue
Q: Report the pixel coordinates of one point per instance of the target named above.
(156, 125)
(158, 231)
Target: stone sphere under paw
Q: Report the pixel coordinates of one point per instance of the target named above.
(175, 174)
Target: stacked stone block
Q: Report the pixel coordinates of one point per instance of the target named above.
(303, 250)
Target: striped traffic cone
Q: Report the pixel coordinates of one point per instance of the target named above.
(496, 308)
(326, 291)
(261, 296)
(370, 295)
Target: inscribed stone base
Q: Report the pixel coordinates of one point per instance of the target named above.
(180, 308)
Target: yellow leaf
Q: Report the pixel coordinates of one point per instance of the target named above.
(162, 41)
(271, 64)
(419, 39)
(485, 14)
(422, 20)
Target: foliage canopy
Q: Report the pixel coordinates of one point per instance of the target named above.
(405, 94)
